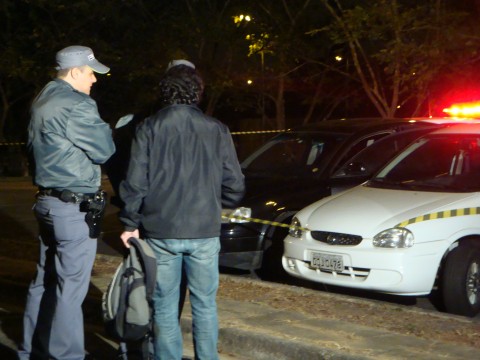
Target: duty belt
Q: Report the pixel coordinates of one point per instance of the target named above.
(66, 195)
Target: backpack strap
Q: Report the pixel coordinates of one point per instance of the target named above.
(149, 264)
(122, 305)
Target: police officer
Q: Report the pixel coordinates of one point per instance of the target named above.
(68, 141)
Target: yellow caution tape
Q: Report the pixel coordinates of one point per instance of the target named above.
(256, 132)
(233, 133)
(437, 215)
(12, 144)
(432, 216)
(441, 215)
(265, 222)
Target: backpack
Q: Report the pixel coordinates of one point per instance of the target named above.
(127, 303)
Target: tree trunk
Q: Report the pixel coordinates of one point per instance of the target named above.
(280, 105)
(3, 115)
(313, 103)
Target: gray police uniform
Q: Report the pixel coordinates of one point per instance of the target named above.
(68, 141)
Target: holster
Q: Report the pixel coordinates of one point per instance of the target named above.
(95, 209)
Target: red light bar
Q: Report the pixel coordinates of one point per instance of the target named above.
(471, 109)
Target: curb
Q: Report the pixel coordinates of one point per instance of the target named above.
(266, 347)
(246, 343)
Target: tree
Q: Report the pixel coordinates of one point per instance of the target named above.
(32, 31)
(208, 33)
(395, 52)
(283, 49)
(396, 48)
(17, 68)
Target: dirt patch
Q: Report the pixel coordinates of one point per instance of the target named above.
(375, 314)
(372, 313)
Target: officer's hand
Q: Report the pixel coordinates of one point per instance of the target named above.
(127, 235)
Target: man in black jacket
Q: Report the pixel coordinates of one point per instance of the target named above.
(183, 168)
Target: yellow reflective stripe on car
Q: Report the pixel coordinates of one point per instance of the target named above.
(441, 215)
(265, 222)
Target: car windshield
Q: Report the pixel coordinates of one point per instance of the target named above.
(449, 162)
(373, 157)
(292, 154)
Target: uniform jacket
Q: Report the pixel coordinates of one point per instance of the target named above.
(67, 139)
(183, 168)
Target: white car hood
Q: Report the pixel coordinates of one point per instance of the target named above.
(366, 211)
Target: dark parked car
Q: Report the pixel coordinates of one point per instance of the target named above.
(298, 167)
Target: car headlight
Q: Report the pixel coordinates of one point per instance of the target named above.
(235, 215)
(394, 238)
(295, 229)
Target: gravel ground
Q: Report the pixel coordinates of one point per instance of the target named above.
(376, 314)
(401, 319)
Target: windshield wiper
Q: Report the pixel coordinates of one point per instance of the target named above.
(430, 186)
(387, 183)
(418, 185)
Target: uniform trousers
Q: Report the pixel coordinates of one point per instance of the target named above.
(53, 319)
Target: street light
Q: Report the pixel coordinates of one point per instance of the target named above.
(239, 19)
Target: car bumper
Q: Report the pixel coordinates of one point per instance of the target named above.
(241, 252)
(247, 260)
(409, 271)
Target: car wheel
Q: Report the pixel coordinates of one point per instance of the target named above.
(461, 281)
(272, 269)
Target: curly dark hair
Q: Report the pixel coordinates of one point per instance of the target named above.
(181, 85)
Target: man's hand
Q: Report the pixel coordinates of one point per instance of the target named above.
(127, 235)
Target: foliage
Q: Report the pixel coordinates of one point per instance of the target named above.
(394, 53)
(397, 48)
(34, 30)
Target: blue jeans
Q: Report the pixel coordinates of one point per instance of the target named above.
(199, 260)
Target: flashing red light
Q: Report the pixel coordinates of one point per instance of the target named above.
(471, 109)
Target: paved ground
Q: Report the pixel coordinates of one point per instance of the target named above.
(249, 329)
(257, 320)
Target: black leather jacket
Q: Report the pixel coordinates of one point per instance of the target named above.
(183, 168)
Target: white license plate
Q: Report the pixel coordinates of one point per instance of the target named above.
(327, 262)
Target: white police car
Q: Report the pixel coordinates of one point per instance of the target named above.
(413, 228)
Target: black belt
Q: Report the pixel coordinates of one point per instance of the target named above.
(67, 195)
